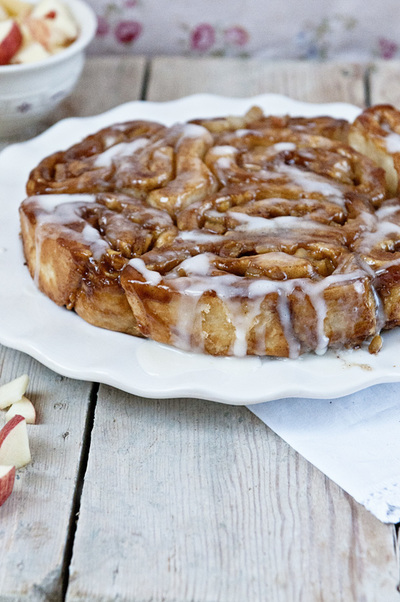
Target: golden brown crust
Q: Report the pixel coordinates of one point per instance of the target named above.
(376, 134)
(254, 119)
(73, 171)
(243, 235)
(76, 251)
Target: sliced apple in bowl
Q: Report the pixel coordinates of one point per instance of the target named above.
(10, 40)
(16, 8)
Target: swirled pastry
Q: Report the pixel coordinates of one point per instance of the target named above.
(376, 133)
(237, 235)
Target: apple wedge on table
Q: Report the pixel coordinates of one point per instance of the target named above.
(14, 443)
(7, 478)
(13, 391)
(24, 408)
(14, 453)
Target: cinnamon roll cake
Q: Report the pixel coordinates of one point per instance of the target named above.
(240, 235)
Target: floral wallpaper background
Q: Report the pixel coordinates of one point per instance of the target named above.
(291, 29)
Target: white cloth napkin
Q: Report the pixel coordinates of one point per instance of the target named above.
(354, 440)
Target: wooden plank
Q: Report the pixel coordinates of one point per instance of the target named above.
(106, 82)
(35, 520)
(185, 500)
(384, 77)
(195, 501)
(172, 78)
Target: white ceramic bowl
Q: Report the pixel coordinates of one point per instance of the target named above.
(30, 91)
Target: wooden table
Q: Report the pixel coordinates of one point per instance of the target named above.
(145, 500)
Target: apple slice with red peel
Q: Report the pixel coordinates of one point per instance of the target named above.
(7, 478)
(52, 24)
(13, 391)
(14, 443)
(10, 40)
(24, 408)
(39, 31)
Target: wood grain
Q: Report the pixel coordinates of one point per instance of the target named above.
(195, 501)
(105, 83)
(35, 520)
(171, 78)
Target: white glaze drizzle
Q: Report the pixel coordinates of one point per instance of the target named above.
(198, 265)
(118, 151)
(110, 140)
(228, 287)
(199, 236)
(287, 325)
(392, 143)
(223, 150)
(384, 230)
(92, 237)
(192, 130)
(224, 162)
(186, 317)
(231, 288)
(252, 223)
(56, 212)
(48, 202)
(150, 276)
(243, 322)
(311, 182)
(387, 210)
(282, 146)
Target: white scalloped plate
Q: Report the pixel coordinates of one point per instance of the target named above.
(65, 343)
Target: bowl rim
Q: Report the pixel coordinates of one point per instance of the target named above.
(87, 22)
